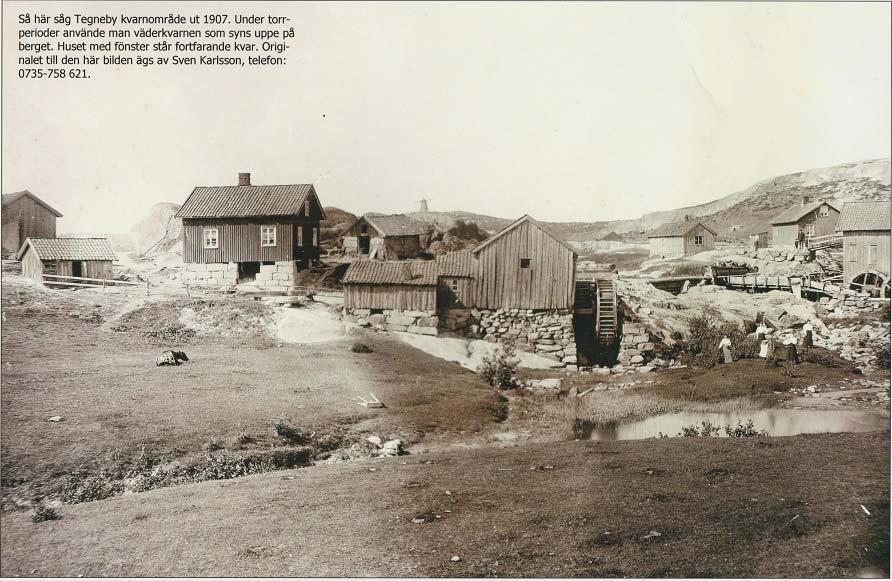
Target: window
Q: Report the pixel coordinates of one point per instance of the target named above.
(825, 211)
(810, 230)
(872, 255)
(852, 252)
(365, 229)
(307, 208)
(698, 240)
(315, 236)
(300, 235)
(267, 235)
(524, 262)
(454, 285)
(211, 238)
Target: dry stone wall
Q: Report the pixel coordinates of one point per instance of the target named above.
(214, 274)
(548, 333)
(279, 276)
(637, 346)
(418, 322)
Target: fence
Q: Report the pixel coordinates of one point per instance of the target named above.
(82, 281)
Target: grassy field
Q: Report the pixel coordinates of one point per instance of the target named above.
(118, 407)
(690, 507)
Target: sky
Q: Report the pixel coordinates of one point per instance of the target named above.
(565, 111)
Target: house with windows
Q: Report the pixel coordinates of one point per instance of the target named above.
(678, 239)
(386, 237)
(250, 233)
(811, 217)
(866, 235)
(26, 216)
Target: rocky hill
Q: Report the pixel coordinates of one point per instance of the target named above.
(735, 215)
(158, 231)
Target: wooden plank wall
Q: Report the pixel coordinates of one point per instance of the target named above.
(708, 240)
(670, 247)
(89, 268)
(32, 267)
(34, 221)
(546, 284)
(240, 242)
(402, 297)
(856, 253)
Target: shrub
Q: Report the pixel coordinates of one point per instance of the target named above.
(746, 430)
(223, 466)
(360, 348)
(497, 368)
(707, 429)
(292, 435)
(44, 513)
(704, 334)
(77, 489)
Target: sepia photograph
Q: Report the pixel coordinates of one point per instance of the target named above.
(445, 290)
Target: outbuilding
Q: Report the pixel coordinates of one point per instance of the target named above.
(386, 237)
(812, 218)
(865, 228)
(66, 257)
(678, 239)
(26, 216)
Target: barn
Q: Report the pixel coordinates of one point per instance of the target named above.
(865, 228)
(379, 285)
(26, 216)
(812, 218)
(387, 237)
(524, 266)
(250, 233)
(78, 257)
(678, 239)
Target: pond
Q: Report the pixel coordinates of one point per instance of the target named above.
(778, 422)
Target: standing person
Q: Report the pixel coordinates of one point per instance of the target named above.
(807, 340)
(725, 346)
(800, 239)
(769, 351)
(792, 354)
(761, 339)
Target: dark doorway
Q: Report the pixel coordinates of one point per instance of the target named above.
(247, 271)
(77, 268)
(364, 244)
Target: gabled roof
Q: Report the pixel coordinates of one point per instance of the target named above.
(515, 224)
(792, 215)
(399, 272)
(68, 249)
(865, 216)
(247, 201)
(394, 224)
(676, 229)
(10, 198)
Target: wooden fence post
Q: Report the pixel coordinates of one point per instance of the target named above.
(147, 287)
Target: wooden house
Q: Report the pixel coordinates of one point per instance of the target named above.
(678, 239)
(409, 285)
(80, 257)
(812, 218)
(524, 266)
(251, 225)
(26, 216)
(865, 228)
(386, 237)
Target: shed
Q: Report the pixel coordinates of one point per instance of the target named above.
(678, 239)
(812, 218)
(455, 279)
(250, 225)
(26, 216)
(387, 237)
(76, 257)
(409, 285)
(524, 266)
(865, 228)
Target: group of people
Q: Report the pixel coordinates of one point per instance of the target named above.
(765, 337)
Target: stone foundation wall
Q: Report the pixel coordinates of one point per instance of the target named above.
(637, 346)
(277, 277)
(779, 254)
(546, 333)
(418, 322)
(214, 274)
(845, 305)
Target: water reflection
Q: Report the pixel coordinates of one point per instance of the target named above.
(776, 422)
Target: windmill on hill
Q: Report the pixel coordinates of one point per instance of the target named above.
(422, 205)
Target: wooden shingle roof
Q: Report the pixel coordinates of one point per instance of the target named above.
(793, 215)
(865, 216)
(459, 263)
(676, 229)
(394, 224)
(247, 201)
(10, 198)
(68, 249)
(403, 272)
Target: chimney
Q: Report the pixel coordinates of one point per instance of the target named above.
(244, 179)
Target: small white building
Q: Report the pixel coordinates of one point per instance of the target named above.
(678, 239)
